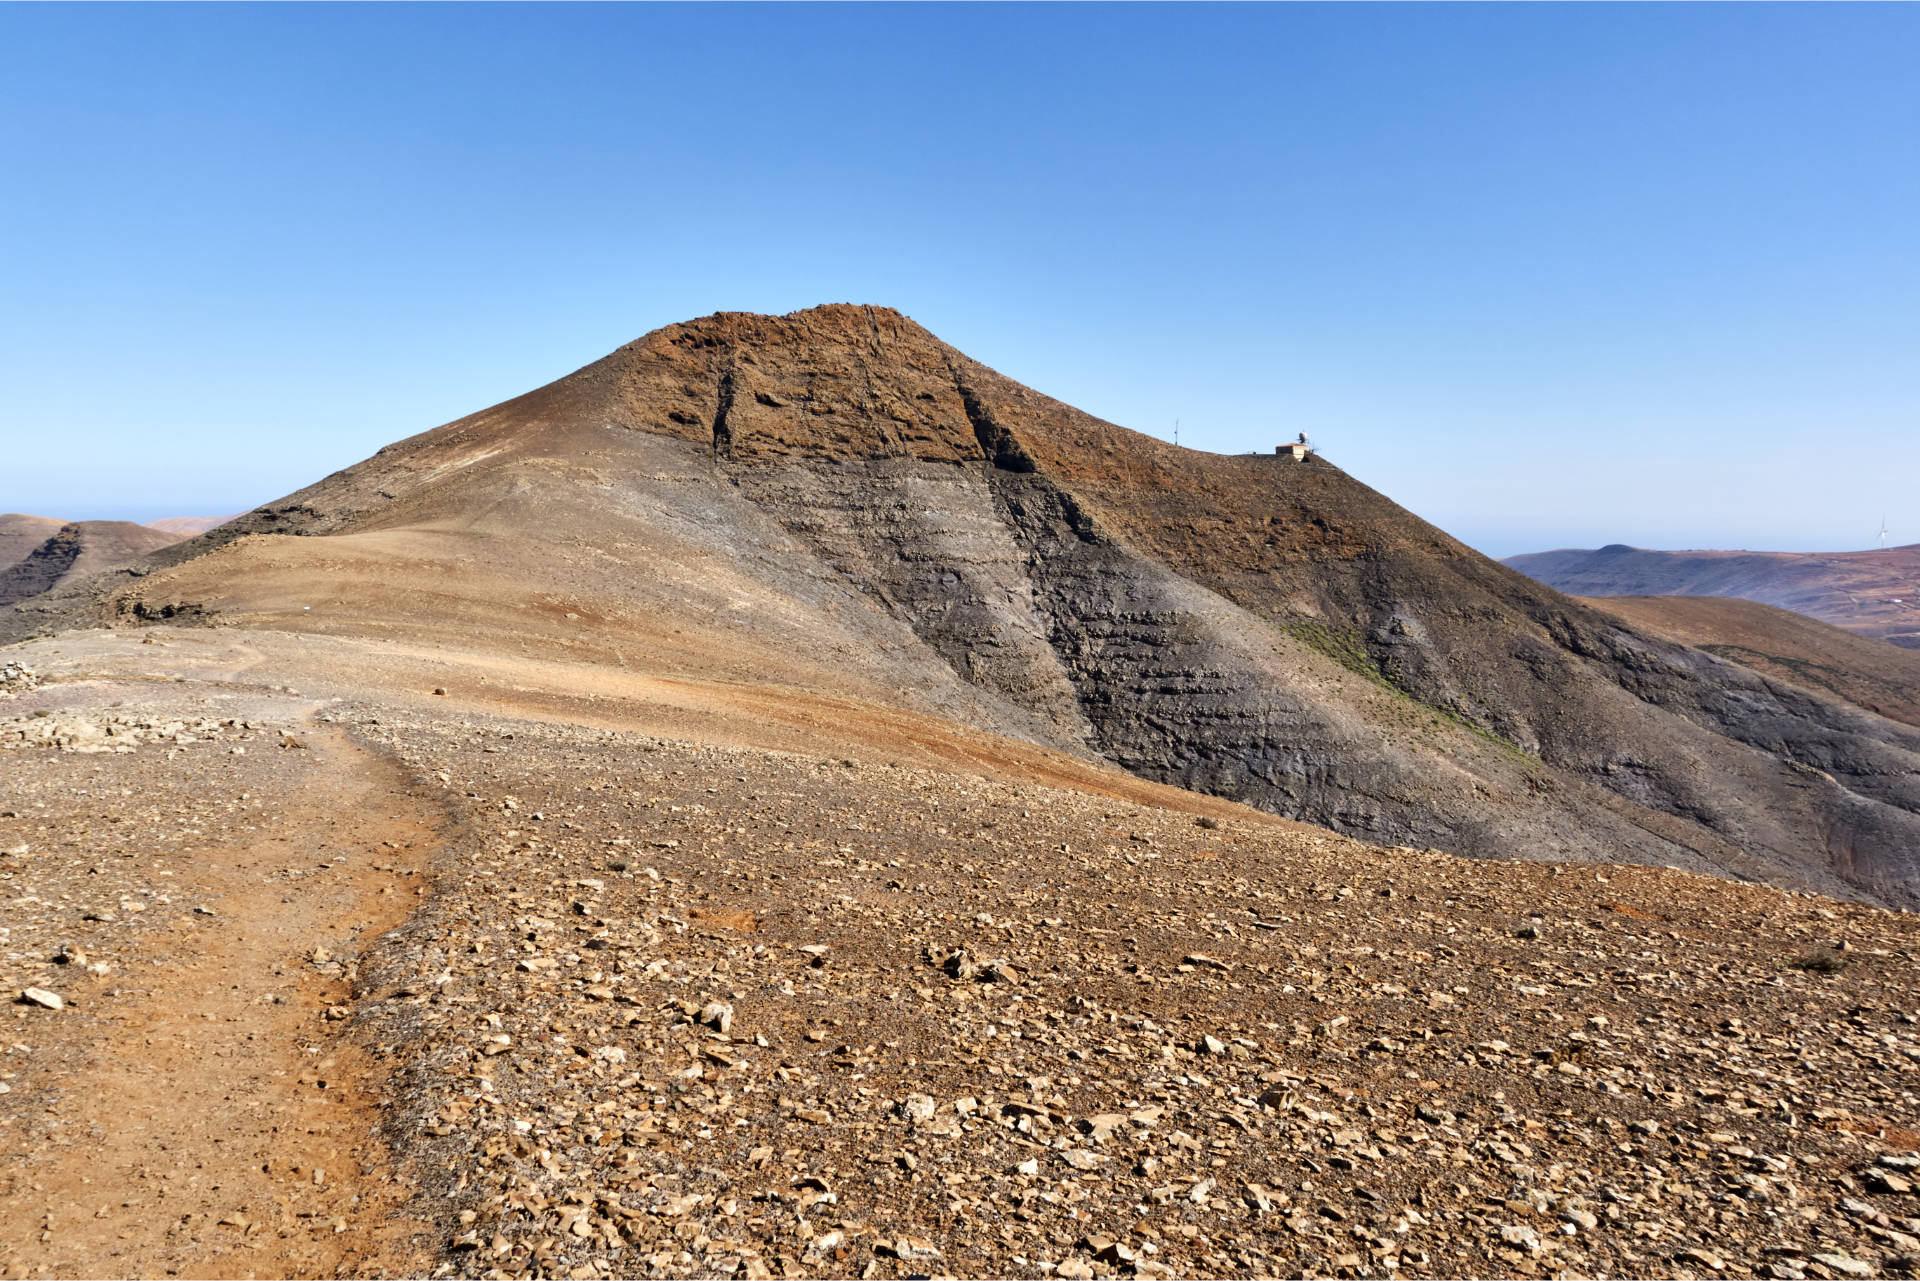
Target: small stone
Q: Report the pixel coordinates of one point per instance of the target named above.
(1518, 1234)
(1845, 1265)
(1074, 1270)
(1212, 1045)
(918, 1107)
(41, 997)
(717, 1015)
(1890, 1183)
(1028, 1167)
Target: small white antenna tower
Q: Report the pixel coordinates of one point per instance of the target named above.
(1883, 533)
(1176, 432)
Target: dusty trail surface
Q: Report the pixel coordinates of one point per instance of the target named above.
(193, 1109)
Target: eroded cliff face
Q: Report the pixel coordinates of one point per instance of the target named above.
(1253, 627)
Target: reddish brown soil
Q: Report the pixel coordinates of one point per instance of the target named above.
(194, 1112)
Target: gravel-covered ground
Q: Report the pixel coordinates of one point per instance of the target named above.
(600, 1002)
(685, 1011)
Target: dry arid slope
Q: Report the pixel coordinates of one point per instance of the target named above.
(1883, 679)
(1875, 593)
(74, 552)
(671, 825)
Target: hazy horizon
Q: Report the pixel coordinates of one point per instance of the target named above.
(1548, 277)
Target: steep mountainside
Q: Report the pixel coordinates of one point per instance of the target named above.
(836, 503)
(1875, 593)
(1881, 678)
(76, 551)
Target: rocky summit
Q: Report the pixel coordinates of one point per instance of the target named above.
(787, 800)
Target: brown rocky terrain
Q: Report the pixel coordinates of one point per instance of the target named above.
(72, 553)
(1875, 593)
(356, 978)
(769, 804)
(1881, 678)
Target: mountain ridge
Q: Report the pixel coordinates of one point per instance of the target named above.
(1875, 593)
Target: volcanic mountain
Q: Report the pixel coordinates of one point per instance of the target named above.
(35, 558)
(1875, 593)
(771, 518)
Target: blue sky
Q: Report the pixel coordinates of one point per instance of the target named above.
(1547, 275)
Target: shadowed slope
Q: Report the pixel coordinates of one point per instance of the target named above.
(1883, 679)
(20, 534)
(837, 501)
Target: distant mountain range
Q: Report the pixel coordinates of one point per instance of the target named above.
(1872, 593)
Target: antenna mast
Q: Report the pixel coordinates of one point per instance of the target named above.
(1176, 434)
(1883, 533)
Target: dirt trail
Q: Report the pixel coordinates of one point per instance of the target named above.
(206, 1118)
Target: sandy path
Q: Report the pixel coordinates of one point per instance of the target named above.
(207, 1118)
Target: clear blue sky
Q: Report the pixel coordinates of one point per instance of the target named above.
(1548, 275)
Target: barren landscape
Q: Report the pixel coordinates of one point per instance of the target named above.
(788, 801)
(1874, 593)
(1883, 679)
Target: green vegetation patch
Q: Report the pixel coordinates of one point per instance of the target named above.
(1346, 644)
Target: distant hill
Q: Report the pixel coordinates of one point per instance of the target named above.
(74, 551)
(1874, 593)
(187, 526)
(20, 534)
(1784, 645)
